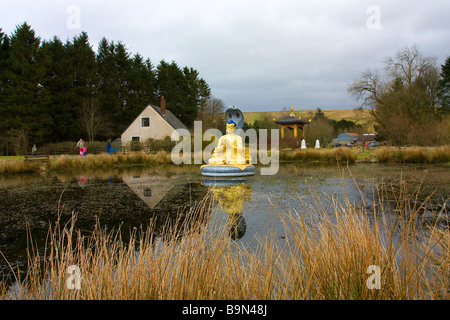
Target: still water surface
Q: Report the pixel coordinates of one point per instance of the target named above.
(131, 197)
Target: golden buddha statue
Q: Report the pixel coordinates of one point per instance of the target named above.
(230, 152)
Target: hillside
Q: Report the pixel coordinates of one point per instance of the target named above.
(359, 117)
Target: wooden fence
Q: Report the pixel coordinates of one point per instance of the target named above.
(37, 158)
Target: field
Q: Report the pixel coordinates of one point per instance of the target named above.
(362, 117)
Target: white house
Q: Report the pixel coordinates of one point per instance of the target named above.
(153, 122)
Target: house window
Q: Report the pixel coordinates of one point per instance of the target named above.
(135, 139)
(147, 192)
(145, 122)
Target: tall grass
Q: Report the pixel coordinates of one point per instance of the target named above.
(18, 166)
(68, 162)
(325, 255)
(413, 155)
(64, 162)
(319, 155)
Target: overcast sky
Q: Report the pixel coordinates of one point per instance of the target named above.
(259, 55)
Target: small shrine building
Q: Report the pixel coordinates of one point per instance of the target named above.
(292, 123)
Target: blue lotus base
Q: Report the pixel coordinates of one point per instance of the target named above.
(227, 171)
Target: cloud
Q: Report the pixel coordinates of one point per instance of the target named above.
(263, 54)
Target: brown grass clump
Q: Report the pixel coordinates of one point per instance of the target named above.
(64, 162)
(413, 155)
(142, 158)
(319, 155)
(18, 166)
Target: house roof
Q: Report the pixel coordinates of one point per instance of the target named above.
(347, 137)
(170, 118)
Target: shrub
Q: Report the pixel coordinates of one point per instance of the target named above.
(153, 146)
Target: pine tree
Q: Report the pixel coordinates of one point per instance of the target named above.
(107, 88)
(26, 102)
(141, 88)
(172, 85)
(4, 53)
(204, 97)
(59, 83)
(183, 90)
(115, 84)
(83, 75)
(444, 87)
(85, 70)
(191, 95)
(121, 76)
(319, 114)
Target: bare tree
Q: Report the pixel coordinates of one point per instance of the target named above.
(212, 114)
(404, 99)
(92, 120)
(18, 139)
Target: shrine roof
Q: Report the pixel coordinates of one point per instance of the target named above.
(291, 120)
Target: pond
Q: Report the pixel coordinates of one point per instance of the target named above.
(132, 197)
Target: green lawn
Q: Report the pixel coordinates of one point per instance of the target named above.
(364, 154)
(12, 158)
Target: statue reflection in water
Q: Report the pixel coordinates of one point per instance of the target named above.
(231, 159)
(231, 195)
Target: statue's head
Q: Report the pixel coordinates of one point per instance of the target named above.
(235, 115)
(231, 126)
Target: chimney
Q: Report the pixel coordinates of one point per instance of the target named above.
(163, 105)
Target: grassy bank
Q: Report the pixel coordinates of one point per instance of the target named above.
(425, 155)
(319, 155)
(70, 162)
(413, 155)
(65, 162)
(325, 255)
(18, 166)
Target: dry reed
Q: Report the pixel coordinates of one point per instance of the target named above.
(65, 162)
(319, 155)
(413, 155)
(18, 166)
(325, 255)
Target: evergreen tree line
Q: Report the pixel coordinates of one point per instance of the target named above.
(52, 91)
